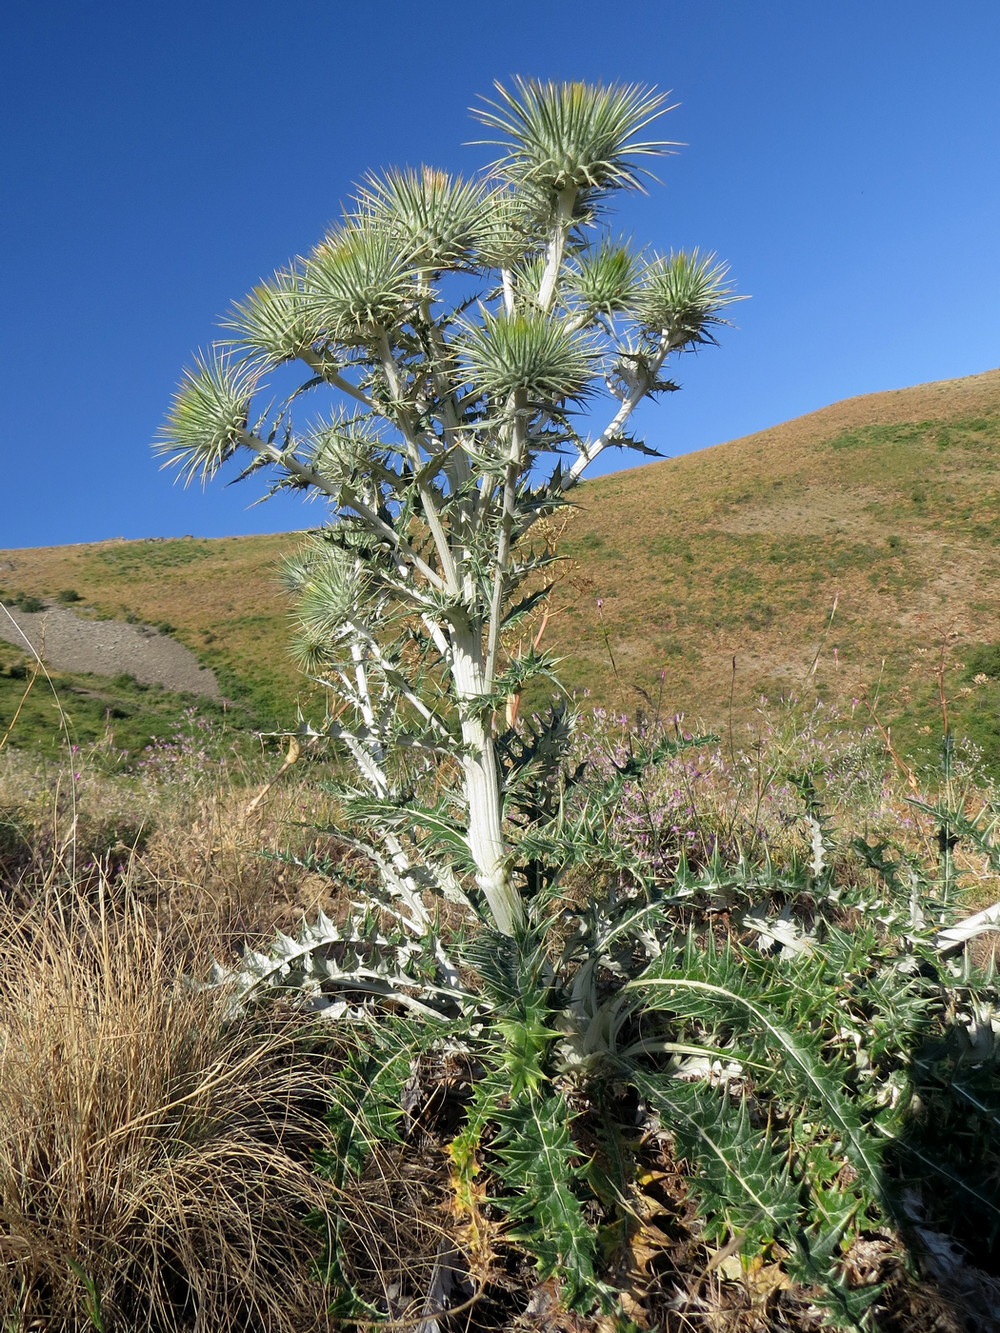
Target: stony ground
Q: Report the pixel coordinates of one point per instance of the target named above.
(70, 642)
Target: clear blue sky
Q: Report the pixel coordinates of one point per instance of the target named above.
(159, 159)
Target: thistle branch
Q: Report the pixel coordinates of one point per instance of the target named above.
(327, 370)
(515, 465)
(565, 204)
(427, 502)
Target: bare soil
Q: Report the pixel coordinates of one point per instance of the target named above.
(69, 642)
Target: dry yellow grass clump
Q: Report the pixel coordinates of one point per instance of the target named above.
(154, 1155)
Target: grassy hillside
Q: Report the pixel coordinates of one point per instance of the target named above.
(839, 555)
(97, 713)
(844, 554)
(219, 597)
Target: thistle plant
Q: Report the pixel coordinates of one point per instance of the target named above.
(476, 344)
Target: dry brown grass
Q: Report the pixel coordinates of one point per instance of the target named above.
(188, 846)
(206, 864)
(154, 1155)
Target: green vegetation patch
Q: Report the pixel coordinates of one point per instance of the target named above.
(962, 433)
(982, 659)
(120, 713)
(22, 601)
(142, 557)
(968, 433)
(869, 437)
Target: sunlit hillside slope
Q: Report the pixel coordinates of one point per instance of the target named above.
(839, 553)
(844, 555)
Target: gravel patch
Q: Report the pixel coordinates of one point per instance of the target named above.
(108, 648)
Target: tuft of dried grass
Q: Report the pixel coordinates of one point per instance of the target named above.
(188, 840)
(208, 871)
(155, 1153)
